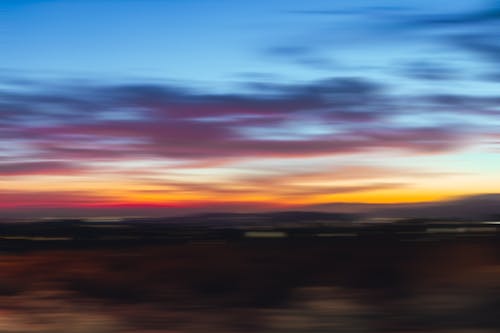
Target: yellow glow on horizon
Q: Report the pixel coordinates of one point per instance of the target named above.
(283, 190)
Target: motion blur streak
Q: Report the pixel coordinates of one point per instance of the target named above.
(344, 287)
(249, 166)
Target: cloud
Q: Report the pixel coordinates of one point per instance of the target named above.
(335, 116)
(17, 199)
(488, 13)
(431, 71)
(303, 55)
(38, 168)
(368, 10)
(483, 44)
(75, 130)
(475, 31)
(464, 37)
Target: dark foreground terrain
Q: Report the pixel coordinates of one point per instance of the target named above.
(61, 277)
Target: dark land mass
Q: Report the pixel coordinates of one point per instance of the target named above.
(475, 207)
(279, 272)
(279, 227)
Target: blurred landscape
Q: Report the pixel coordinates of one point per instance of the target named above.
(249, 166)
(269, 272)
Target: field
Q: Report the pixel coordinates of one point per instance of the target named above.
(255, 285)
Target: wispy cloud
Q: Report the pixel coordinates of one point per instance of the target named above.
(344, 115)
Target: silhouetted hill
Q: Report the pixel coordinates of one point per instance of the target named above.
(477, 207)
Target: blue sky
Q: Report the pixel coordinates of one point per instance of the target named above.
(357, 101)
(216, 39)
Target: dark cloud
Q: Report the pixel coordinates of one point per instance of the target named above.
(475, 31)
(466, 104)
(12, 199)
(484, 45)
(334, 116)
(489, 13)
(38, 167)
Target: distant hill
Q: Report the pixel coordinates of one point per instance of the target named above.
(484, 206)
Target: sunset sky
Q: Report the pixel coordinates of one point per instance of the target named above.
(142, 107)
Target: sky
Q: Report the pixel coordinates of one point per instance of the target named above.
(155, 107)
